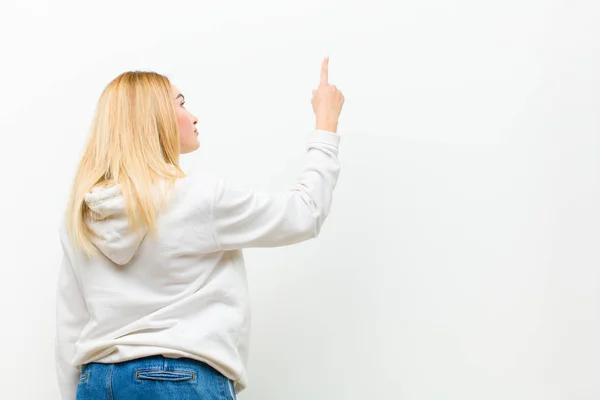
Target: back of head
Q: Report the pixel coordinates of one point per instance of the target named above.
(134, 143)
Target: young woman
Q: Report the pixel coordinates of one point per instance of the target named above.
(152, 301)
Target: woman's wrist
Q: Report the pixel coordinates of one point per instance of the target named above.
(330, 126)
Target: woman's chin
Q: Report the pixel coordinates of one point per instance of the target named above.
(190, 147)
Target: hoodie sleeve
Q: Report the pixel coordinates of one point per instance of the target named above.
(71, 317)
(245, 217)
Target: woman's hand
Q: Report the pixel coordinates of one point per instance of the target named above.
(327, 101)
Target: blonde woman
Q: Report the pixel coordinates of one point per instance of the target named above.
(152, 301)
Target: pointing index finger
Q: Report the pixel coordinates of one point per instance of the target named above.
(325, 72)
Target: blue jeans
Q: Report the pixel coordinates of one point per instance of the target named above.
(153, 378)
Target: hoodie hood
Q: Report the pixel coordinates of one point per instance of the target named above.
(107, 220)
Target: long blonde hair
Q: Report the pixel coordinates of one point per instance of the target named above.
(134, 142)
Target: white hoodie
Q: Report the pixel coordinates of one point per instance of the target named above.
(182, 293)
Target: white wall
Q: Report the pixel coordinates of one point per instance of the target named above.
(461, 259)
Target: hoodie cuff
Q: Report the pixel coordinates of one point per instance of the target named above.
(326, 137)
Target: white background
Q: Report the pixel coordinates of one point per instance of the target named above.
(461, 259)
